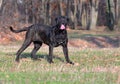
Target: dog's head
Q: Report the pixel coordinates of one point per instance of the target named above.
(62, 22)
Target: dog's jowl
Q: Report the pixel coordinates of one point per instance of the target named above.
(52, 36)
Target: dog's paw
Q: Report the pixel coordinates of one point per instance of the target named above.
(50, 61)
(70, 63)
(17, 60)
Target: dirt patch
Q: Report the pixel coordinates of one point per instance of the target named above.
(87, 41)
(81, 43)
(96, 42)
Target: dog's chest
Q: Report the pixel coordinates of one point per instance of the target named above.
(60, 37)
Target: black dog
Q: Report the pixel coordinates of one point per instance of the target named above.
(52, 36)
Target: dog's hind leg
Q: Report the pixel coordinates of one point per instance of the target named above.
(37, 46)
(26, 43)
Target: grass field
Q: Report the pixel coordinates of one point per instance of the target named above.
(92, 66)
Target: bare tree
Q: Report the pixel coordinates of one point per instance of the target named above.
(110, 14)
(85, 14)
(1, 1)
(94, 13)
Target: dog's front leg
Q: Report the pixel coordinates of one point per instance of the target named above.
(65, 50)
(50, 54)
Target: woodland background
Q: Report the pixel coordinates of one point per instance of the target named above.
(83, 14)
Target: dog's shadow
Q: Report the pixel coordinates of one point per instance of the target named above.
(40, 56)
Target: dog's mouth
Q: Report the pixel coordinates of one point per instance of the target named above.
(62, 27)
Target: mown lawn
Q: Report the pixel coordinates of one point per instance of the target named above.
(92, 66)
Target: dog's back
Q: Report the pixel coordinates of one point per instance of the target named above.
(40, 33)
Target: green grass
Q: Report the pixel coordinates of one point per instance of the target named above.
(92, 66)
(58, 78)
(82, 34)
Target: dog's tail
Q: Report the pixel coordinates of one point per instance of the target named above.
(17, 31)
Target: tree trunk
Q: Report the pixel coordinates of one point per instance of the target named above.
(79, 9)
(61, 8)
(74, 14)
(118, 4)
(83, 13)
(94, 13)
(115, 10)
(118, 13)
(1, 3)
(47, 12)
(110, 14)
(26, 12)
